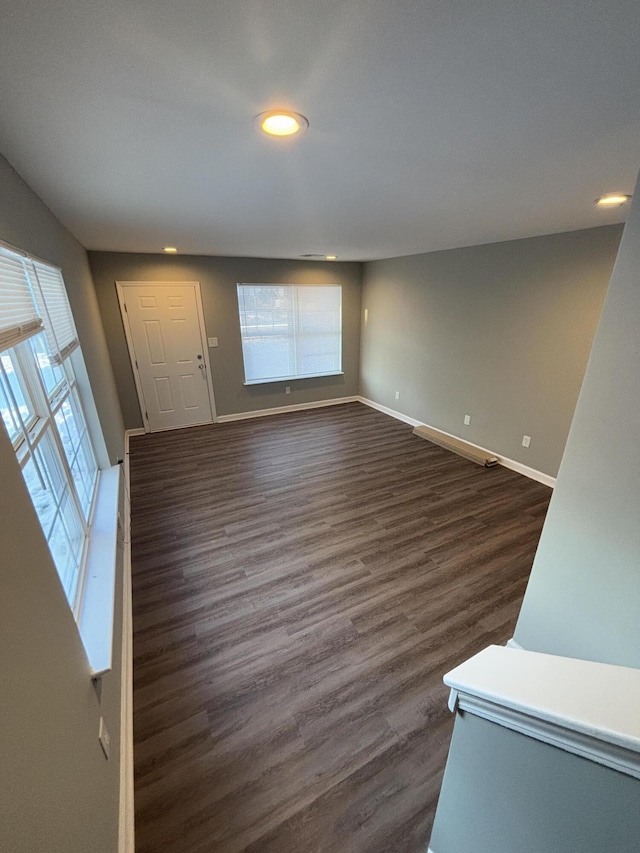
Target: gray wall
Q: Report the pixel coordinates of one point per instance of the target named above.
(218, 278)
(506, 793)
(583, 597)
(28, 224)
(501, 332)
(582, 601)
(59, 794)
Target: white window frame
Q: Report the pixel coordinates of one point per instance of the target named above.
(291, 332)
(87, 517)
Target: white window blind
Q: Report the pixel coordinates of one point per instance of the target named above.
(290, 331)
(51, 296)
(19, 315)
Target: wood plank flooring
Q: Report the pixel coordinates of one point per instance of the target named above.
(300, 584)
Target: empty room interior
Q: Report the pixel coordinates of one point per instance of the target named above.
(320, 390)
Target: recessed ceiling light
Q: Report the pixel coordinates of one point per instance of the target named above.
(170, 250)
(282, 123)
(612, 200)
(331, 257)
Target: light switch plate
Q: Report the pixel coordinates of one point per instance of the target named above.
(213, 342)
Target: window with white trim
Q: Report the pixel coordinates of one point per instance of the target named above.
(290, 331)
(42, 411)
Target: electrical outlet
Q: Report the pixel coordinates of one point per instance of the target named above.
(397, 395)
(104, 738)
(287, 389)
(467, 420)
(526, 440)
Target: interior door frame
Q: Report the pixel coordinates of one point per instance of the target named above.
(121, 287)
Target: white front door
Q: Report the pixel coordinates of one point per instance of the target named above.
(167, 345)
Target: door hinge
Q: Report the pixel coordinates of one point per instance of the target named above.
(146, 414)
(125, 308)
(137, 366)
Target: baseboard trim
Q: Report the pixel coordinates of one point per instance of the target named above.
(126, 829)
(514, 644)
(298, 407)
(391, 412)
(129, 432)
(531, 473)
(518, 467)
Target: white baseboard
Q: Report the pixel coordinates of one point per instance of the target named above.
(126, 838)
(514, 644)
(392, 412)
(299, 407)
(129, 432)
(531, 473)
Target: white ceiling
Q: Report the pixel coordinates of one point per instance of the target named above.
(433, 124)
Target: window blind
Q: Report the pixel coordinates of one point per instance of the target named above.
(51, 296)
(19, 314)
(290, 331)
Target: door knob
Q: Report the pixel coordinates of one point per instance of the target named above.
(200, 357)
(201, 366)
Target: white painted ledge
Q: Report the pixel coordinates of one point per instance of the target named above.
(589, 709)
(96, 616)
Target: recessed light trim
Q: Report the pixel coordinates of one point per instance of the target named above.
(331, 257)
(282, 123)
(170, 250)
(612, 199)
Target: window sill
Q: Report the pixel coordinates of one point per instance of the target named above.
(95, 621)
(292, 378)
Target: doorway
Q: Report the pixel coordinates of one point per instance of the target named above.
(166, 337)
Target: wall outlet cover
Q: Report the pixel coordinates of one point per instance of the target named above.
(526, 440)
(467, 420)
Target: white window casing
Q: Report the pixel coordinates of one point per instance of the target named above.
(290, 331)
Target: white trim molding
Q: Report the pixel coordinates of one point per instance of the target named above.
(514, 644)
(582, 707)
(299, 407)
(518, 467)
(391, 412)
(126, 836)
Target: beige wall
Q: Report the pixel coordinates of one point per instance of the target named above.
(59, 794)
(218, 278)
(501, 332)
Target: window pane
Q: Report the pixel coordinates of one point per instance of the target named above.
(267, 327)
(50, 372)
(12, 390)
(290, 331)
(75, 441)
(62, 527)
(42, 496)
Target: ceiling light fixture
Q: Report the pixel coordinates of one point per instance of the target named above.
(282, 123)
(331, 257)
(612, 200)
(170, 250)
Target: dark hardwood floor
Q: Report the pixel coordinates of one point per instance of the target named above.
(300, 585)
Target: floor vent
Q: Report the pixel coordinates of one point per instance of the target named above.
(462, 448)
